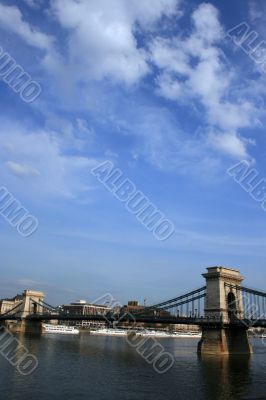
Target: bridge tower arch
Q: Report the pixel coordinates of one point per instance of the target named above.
(224, 304)
(232, 306)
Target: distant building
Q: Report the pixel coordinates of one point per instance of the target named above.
(134, 307)
(81, 307)
(28, 306)
(8, 304)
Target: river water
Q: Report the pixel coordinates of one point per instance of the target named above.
(99, 368)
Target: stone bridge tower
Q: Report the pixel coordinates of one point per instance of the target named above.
(29, 307)
(224, 303)
(222, 298)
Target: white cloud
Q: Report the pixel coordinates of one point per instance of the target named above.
(228, 115)
(11, 18)
(26, 282)
(101, 37)
(170, 88)
(77, 134)
(193, 68)
(230, 143)
(168, 56)
(40, 158)
(194, 62)
(22, 169)
(206, 21)
(102, 42)
(162, 142)
(143, 13)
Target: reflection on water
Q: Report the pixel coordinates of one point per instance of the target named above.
(226, 377)
(98, 368)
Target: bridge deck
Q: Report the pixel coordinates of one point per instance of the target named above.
(133, 319)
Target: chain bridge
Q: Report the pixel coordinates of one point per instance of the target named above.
(223, 308)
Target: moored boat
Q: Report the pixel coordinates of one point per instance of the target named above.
(145, 332)
(110, 332)
(63, 329)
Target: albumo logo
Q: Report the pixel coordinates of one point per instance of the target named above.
(17, 79)
(135, 201)
(17, 215)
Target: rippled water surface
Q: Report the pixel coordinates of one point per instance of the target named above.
(98, 368)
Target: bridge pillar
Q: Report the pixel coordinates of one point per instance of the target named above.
(33, 327)
(224, 304)
(25, 326)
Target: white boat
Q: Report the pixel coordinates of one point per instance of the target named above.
(145, 332)
(160, 334)
(196, 335)
(110, 332)
(125, 332)
(63, 329)
(163, 334)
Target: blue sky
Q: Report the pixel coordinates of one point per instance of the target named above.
(157, 88)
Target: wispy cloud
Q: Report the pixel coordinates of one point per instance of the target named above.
(22, 169)
(11, 19)
(40, 157)
(193, 68)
